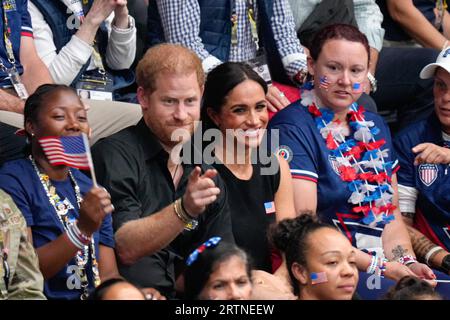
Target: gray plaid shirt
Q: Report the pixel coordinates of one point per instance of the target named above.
(181, 24)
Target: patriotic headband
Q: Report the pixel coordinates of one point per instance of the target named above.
(211, 243)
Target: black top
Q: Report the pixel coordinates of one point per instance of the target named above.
(132, 165)
(247, 199)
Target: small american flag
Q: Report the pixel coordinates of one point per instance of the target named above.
(324, 83)
(357, 88)
(70, 151)
(319, 277)
(270, 207)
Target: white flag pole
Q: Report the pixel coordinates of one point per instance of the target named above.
(89, 157)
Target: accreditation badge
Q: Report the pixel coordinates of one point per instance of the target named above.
(95, 86)
(260, 66)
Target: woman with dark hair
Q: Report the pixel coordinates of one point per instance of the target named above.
(320, 260)
(342, 161)
(117, 289)
(218, 270)
(68, 218)
(259, 185)
(411, 288)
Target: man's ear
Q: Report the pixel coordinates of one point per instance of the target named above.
(142, 98)
(300, 273)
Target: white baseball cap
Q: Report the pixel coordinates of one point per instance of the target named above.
(443, 61)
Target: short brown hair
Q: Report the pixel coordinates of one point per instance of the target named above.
(337, 31)
(167, 57)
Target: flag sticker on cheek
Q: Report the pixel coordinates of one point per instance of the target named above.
(324, 83)
(319, 277)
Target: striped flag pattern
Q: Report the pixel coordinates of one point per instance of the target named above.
(68, 151)
(324, 83)
(318, 277)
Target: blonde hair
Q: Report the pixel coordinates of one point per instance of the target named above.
(172, 58)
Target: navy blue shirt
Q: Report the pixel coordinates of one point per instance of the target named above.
(19, 21)
(311, 160)
(19, 179)
(432, 181)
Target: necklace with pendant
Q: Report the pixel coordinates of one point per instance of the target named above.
(62, 208)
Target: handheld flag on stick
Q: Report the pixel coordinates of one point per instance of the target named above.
(72, 151)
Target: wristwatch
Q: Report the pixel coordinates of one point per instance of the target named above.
(301, 76)
(446, 264)
(373, 82)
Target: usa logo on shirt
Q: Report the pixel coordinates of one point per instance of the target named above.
(334, 164)
(428, 173)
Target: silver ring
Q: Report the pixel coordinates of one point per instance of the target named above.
(282, 94)
(148, 296)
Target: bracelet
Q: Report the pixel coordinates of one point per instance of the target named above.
(190, 223)
(381, 269)
(74, 235)
(430, 253)
(301, 76)
(83, 238)
(407, 260)
(446, 263)
(444, 45)
(373, 82)
(184, 209)
(180, 212)
(373, 265)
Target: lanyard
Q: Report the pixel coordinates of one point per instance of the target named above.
(76, 6)
(441, 6)
(12, 72)
(251, 17)
(7, 34)
(98, 60)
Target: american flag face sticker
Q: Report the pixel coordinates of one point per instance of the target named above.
(324, 83)
(428, 173)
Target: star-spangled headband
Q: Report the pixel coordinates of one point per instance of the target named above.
(211, 243)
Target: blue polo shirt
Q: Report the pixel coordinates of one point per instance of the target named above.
(301, 141)
(19, 21)
(19, 179)
(430, 180)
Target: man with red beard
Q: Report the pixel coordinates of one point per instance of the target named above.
(163, 209)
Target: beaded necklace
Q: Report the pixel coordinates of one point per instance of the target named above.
(62, 209)
(360, 161)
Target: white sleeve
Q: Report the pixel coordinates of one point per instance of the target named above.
(407, 197)
(121, 49)
(65, 65)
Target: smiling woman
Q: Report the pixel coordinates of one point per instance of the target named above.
(235, 103)
(68, 218)
(342, 164)
(320, 260)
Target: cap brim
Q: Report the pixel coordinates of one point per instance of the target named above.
(429, 70)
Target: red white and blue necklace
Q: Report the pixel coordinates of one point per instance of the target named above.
(360, 161)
